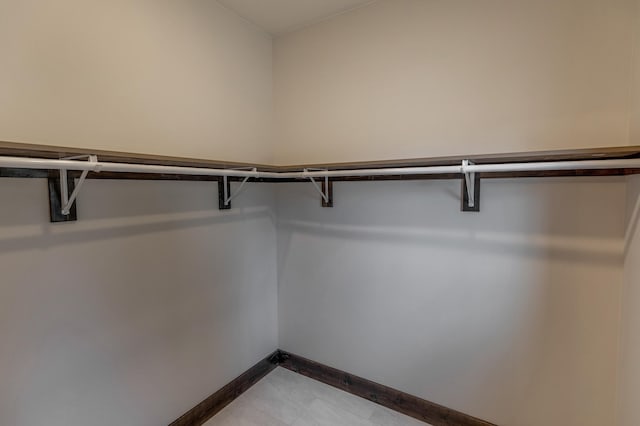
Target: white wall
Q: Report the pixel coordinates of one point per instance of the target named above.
(634, 135)
(510, 314)
(629, 369)
(154, 299)
(119, 318)
(414, 78)
(151, 302)
(182, 78)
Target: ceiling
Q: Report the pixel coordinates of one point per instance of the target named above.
(281, 16)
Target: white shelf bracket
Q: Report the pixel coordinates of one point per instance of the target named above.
(224, 189)
(326, 191)
(66, 199)
(470, 179)
(470, 188)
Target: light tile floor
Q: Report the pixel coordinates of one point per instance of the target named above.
(285, 398)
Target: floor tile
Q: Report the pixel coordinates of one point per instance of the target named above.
(285, 398)
(322, 413)
(383, 416)
(241, 413)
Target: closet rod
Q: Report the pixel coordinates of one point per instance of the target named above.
(472, 168)
(52, 164)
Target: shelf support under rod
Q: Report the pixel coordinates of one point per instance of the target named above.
(470, 181)
(224, 188)
(67, 201)
(326, 192)
(470, 196)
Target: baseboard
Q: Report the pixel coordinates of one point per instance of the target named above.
(412, 406)
(404, 403)
(213, 404)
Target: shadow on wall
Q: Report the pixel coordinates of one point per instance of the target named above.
(104, 318)
(565, 222)
(509, 314)
(606, 251)
(633, 211)
(119, 209)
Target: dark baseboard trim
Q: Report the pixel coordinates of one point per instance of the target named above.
(216, 402)
(412, 406)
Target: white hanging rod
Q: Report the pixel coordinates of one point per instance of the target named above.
(463, 168)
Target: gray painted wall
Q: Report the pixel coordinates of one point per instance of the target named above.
(510, 315)
(153, 300)
(629, 370)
